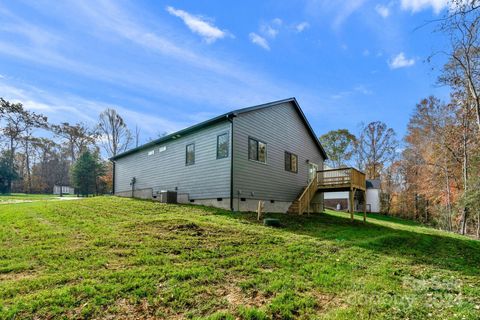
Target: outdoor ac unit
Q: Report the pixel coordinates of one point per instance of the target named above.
(167, 196)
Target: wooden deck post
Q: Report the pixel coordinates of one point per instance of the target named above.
(351, 197)
(364, 206)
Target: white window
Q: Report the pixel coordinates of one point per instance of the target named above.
(162, 148)
(151, 152)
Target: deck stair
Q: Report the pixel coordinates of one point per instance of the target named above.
(331, 180)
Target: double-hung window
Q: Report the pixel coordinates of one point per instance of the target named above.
(291, 162)
(257, 150)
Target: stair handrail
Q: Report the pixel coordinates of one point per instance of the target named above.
(307, 194)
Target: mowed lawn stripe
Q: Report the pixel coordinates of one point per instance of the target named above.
(110, 257)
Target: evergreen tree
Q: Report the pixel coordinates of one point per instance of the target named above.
(84, 173)
(7, 173)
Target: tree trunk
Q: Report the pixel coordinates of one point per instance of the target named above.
(478, 225)
(449, 197)
(27, 165)
(11, 162)
(72, 151)
(463, 226)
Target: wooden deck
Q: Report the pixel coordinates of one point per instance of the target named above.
(343, 179)
(332, 180)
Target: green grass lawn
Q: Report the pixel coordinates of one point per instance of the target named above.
(108, 257)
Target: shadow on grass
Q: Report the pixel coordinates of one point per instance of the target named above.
(442, 251)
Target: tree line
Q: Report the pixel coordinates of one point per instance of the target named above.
(433, 174)
(35, 154)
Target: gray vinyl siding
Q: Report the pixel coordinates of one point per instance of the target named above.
(282, 129)
(208, 178)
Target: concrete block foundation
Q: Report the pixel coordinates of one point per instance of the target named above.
(239, 204)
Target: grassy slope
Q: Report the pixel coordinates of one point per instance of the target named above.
(110, 257)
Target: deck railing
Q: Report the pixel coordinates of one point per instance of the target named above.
(341, 178)
(344, 179)
(307, 195)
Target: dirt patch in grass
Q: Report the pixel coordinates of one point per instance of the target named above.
(325, 302)
(124, 309)
(237, 297)
(17, 276)
(190, 228)
(185, 229)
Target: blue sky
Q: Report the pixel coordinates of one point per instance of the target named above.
(166, 65)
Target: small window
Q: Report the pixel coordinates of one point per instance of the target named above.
(162, 148)
(151, 152)
(257, 150)
(291, 162)
(190, 154)
(222, 146)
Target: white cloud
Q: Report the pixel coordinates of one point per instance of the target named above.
(419, 5)
(302, 26)
(277, 21)
(363, 90)
(359, 89)
(346, 10)
(400, 61)
(366, 52)
(272, 28)
(71, 108)
(199, 25)
(259, 40)
(382, 10)
(268, 31)
(230, 81)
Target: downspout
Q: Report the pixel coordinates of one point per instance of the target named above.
(230, 119)
(113, 177)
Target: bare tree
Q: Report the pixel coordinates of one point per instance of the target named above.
(375, 146)
(114, 131)
(78, 137)
(462, 72)
(19, 124)
(137, 136)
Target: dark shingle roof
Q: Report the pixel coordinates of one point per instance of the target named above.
(373, 184)
(220, 118)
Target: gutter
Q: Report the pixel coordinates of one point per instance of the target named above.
(113, 177)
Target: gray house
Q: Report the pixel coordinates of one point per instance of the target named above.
(267, 152)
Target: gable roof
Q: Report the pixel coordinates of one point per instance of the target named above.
(224, 117)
